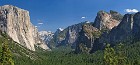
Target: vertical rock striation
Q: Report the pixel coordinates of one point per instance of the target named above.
(16, 23)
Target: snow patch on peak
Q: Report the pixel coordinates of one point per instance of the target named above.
(45, 32)
(46, 36)
(87, 22)
(60, 29)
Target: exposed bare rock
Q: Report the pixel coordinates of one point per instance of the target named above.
(126, 31)
(69, 35)
(16, 23)
(82, 37)
(46, 36)
(105, 20)
(122, 32)
(85, 40)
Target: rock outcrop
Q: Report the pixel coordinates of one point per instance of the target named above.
(59, 36)
(127, 31)
(122, 32)
(105, 20)
(69, 35)
(86, 37)
(46, 36)
(136, 25)
(16, 23)
(83, 36)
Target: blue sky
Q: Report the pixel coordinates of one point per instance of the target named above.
(63, 13)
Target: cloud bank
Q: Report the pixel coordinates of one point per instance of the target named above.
(83, 17)
(36, 26)
(40, 23)
(131, 10)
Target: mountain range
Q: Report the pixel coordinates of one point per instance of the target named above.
(86, 37)
(108, 27)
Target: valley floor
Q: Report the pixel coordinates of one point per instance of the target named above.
(118, 55)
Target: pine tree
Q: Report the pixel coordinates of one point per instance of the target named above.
(6, 56)
(114, 56)
(120, 53)
(109, 56)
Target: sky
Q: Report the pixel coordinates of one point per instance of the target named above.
(50, 15)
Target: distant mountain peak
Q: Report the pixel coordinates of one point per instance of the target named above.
(105, 20)
(46, 36)
(60, 29)
(87, 21)
(45, 32)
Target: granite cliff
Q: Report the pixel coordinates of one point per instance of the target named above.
(69, 35)
(16, 23)
(107, 20)
(84, 35)
(126, 31)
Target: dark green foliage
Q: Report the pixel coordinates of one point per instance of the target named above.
(65, 57)
(97, 34)
(125, 53)
(114, 56)
(5, 53)
(12, 50)
(109, 56)
(132, 52)
(61, 56)
(84, 49)
(120, 54)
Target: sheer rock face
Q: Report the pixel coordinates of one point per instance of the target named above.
(46, 36)
(69, 35)
(136, 25)
(16, 23)
(122, 32)
(85, 40)
(105, 20)
(59, 36)
(127, 31)
(72, 33)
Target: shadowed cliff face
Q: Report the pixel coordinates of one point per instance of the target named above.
(16, 23)
(122, 32)
(127, 31)
(85, 40)
(76, 37)
(79, 36)
(69, 35)
(136, 26)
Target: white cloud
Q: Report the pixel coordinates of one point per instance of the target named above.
(83, 17)
(36, 26)
(131, 10)
(40, 23)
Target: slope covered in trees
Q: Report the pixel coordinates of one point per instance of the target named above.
(120, 54)
(124, 53)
